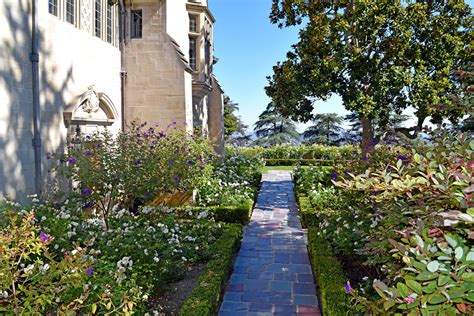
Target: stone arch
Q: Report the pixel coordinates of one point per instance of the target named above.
(89, 112)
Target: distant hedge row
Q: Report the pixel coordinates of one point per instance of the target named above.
(286, 152)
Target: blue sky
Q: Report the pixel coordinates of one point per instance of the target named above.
(247, 46)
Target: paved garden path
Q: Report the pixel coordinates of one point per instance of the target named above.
(272, 274)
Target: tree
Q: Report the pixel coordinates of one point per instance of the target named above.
(274, 129)
(371, 53)
(326, 129)
(232, 123)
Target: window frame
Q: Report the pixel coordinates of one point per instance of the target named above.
(136, 25)
(67, 14)
(53, 7)
(98, 18)
(193, 49)
(109, 25)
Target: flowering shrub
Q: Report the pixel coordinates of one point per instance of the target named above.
(31, 278)
(235, 182)
(376, 211)
(136, 166)
(124, 264)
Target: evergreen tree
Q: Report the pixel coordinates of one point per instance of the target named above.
(326, 129)
(274, 129)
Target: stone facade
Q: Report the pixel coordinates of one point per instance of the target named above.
(80, 71)
(169, 67)
(71, 59)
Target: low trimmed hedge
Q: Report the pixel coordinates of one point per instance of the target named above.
(330, 276)
(228, 214)
(205, 298)
(303, 162)
(232, 214)
(307, 212)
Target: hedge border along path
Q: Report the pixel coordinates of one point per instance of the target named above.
(272, 273)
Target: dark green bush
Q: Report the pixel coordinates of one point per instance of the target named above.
(228, 214)
(329, 276)
(204, 300)
(232, 214)
(307, 212)
(302, 162)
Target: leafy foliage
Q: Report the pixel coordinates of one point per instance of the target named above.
(327, 129)
(273, 129)
(379, 56)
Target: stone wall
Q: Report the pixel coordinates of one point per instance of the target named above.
(157, 85)
(71, 60)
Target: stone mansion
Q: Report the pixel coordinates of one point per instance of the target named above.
(75, 66)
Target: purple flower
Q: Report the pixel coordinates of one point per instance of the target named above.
(402, 158)
(162, 134)
(89, 271)
(346, 173)
(44, 237)
(72, 160)
(87, 154)
(57, 205)
(86, 191)
(334, 175)
(177, 179)
(148, 195)
(348, 287)
(137, 162)
(409, 299)
(89, 204)
(364, 158)
(355, 152)
(191, 163)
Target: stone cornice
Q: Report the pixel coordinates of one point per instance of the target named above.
(201, 9)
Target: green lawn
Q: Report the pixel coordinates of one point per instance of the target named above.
(268, 168)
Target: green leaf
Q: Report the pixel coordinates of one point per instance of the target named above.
(93, 308)
(467, 276)
(470, 256)
(415, 286)
(430, 288)
(403, 289)
(470, 211)
(455, 293)
(436, 298)
(458, 253)
(451, 240)
(426, 276)
(419, 241)
(433, 266)
(388, 304)
(443, 279)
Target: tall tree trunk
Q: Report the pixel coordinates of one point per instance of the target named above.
(367, 136)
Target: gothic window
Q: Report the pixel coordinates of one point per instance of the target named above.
(109, 23)
(136, 24)
(97, 18)
(193, 23)
(53, 7)
(70, 11)
(192, 52)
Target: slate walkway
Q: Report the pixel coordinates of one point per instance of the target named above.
(272, 273)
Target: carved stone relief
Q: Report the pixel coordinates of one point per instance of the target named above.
(86, 15)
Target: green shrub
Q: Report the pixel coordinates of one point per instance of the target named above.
(330, 277)
(301, 162)
(307, 212)
(228, 214)
(204, 300)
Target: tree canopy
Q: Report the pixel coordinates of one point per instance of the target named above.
(326, 129)
(232, 122)
(274, 129)
(379, 56)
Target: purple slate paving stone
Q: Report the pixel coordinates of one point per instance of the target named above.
(272, 274)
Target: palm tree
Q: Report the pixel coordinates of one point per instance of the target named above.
(274, 129)
(327, 129)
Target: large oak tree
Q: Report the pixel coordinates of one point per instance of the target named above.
(379, 56)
